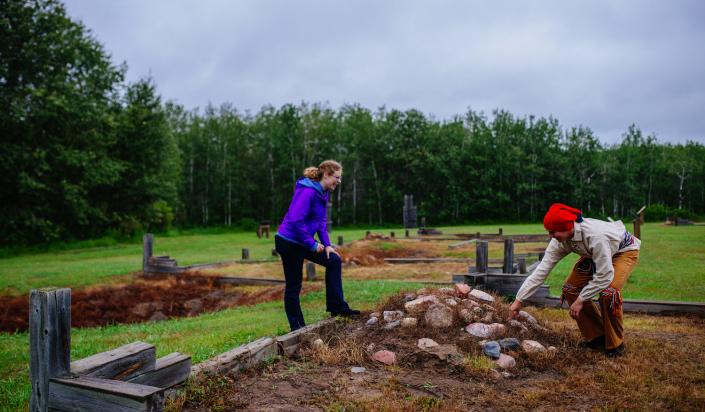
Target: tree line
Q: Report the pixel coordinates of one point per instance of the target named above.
(85, 153)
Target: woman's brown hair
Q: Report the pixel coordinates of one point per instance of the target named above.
(327, 167)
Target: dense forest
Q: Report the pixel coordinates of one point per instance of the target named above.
(85, 153)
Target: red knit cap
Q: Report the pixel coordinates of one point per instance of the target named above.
(560, 218)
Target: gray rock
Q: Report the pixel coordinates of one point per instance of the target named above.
(392, 315)
(357, 369)
(420, 304)
(439, 316)
(392, 325)
(531, 346)
(409, 297)
(506, 361)
(491, 349)
(479, 330)
(510, 344)
(483, 296)
(193, 306)
(426, 343)
(372, 321)
(526, 317)
(409, 322)
(158, 316)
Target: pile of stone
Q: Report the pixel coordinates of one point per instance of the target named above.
(441, 308)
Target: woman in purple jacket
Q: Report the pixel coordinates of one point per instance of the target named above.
(294, 242)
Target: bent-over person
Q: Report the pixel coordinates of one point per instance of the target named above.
(608, 254)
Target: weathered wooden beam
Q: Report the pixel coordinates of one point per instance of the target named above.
(245, 254)
(95, 394)
(237, 359)
(508, 256)
(147, 250)
(170, 370)
(49, 341)
(235, 280)
(290, 343)
(426, 260)
(638, 306)
(481, 256)
(122, 363)
(461, 243)
(310, 271)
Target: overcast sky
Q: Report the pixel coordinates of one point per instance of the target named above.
(601, 64)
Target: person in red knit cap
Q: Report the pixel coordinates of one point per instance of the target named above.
(608, 254)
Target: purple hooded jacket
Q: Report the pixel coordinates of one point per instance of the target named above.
(306, 215)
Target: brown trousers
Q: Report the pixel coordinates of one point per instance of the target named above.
(606, 320)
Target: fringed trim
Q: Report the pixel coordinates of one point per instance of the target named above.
(614, 298)
(569, 288)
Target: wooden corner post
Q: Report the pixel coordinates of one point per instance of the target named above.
(49, 341)
(147, 250)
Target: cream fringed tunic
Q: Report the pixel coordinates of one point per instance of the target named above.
(592, 238)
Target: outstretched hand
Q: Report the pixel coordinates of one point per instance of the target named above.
(330, 249)
(514, 309)
(319, 247)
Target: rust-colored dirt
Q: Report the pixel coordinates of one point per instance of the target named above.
(145, 299)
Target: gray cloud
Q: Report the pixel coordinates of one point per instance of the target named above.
(602, 64)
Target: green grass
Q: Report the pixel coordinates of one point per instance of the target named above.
(670, 266)
(201, 337)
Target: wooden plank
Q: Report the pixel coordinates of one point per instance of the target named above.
(289, 343)
(461, 244)
(425, 260)
(122, 363)
(170, 370)
(234, 280)
(638, 306)
(245, 254)
(237, 359)
(49, 341)
(95, 394)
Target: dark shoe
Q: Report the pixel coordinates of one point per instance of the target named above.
(596, 344)
(616, 352)
(346, 313)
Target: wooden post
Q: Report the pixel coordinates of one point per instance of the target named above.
(423, 221)
(481, 258)
(508, 256)
(500, 231)
(245, 254)
(638, 222)
(406, 233)
(310, 271)
(391, 234)
(49, 341)
(147, 250)
(340, 241)
(521, 265)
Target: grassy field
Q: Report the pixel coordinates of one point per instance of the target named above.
(201, 337)
(671, 267)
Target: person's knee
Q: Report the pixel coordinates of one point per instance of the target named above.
(334, 260)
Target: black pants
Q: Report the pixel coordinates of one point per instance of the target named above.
(293, 255)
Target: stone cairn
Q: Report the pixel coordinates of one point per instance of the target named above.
(439, 308)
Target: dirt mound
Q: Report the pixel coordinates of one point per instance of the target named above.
(146, 299)
(372, 252)
(340, 373)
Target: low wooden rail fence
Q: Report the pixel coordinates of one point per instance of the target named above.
(129, 378)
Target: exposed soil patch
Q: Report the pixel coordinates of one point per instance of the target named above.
(661, 371)
(146, 299)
